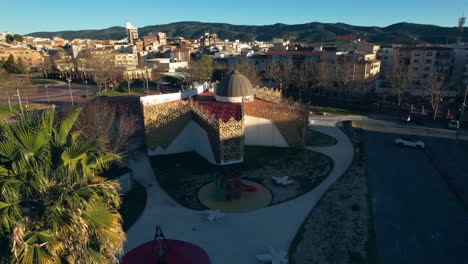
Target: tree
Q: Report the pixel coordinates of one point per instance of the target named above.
(54, 208)
(202, 69)
(110, 125)
(18, 38)
(247, 68)
(435, 87)
(399, 79)
(272, 70)
(303, 79)
(129, 80)
(157, 75)
(287, 69)
(9, 38)
(10, 65)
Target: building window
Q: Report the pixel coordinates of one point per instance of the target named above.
(427, 68)
(425, 76)
(416, 61)
(428, 61)
(417, 54)
(415, 69)
(429, 53)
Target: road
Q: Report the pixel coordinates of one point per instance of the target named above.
(56, 93)
(418, 219)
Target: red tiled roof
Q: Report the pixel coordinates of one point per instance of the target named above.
(221, 110)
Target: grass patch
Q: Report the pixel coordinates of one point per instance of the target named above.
(117, 92)
(317, 139)
(42, 81)
(133, 204)
(6, 113)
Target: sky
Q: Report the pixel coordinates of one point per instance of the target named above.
(27, 16)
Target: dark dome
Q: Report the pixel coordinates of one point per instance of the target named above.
(235, 85)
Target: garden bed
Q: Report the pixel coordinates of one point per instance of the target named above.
(182, 175)
(133, 204)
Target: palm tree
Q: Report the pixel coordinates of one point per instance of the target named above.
(54, 208)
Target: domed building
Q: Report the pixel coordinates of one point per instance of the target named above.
(216, 125)
(234, 88)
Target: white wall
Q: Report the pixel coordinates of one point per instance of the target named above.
(192, 138)
(262, 132)
(164, 98)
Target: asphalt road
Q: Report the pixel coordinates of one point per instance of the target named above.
(418, 219)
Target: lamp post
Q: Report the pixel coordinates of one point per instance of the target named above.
(47, 92)
(71, 94)
(87, 91)
(146, 76)
(463, 105)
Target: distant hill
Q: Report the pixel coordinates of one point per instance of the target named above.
(405, 33)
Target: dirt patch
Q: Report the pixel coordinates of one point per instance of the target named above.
(340, 228)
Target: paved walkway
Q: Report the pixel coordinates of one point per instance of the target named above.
(238, 237)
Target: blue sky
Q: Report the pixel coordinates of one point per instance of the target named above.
(26, 16)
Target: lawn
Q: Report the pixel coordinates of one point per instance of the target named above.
(5, 112)
(317, 139)
(133, 204)
(182, 175)
(117, 92)
(42, 81)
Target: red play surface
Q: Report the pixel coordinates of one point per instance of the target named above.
(178, 252)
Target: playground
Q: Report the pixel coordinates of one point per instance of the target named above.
(196, 184)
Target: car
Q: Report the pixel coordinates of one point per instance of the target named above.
(406, 118)
(454, 124)
(409, 142)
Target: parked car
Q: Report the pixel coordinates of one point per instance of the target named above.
(409, 142)
(454, 124)
(406, 118)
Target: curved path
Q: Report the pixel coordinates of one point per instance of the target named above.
(238, 237)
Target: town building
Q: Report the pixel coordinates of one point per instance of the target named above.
(132, 32)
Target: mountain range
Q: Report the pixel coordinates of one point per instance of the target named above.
(404, 33)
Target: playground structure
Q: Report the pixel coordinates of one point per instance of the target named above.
(229, 185)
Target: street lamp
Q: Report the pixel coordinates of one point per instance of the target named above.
(47, 92)
(146, 76)
(71, 94)
(463, 105)
(87, 91)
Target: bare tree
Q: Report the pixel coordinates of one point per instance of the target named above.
(110, 125)
(129, 80)
(272, 70)
(287, 69)
(303, 79)
(247, 68)
(102, 69)
(436, 88)
(399, 79)
(321, 73)
(344, 75)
